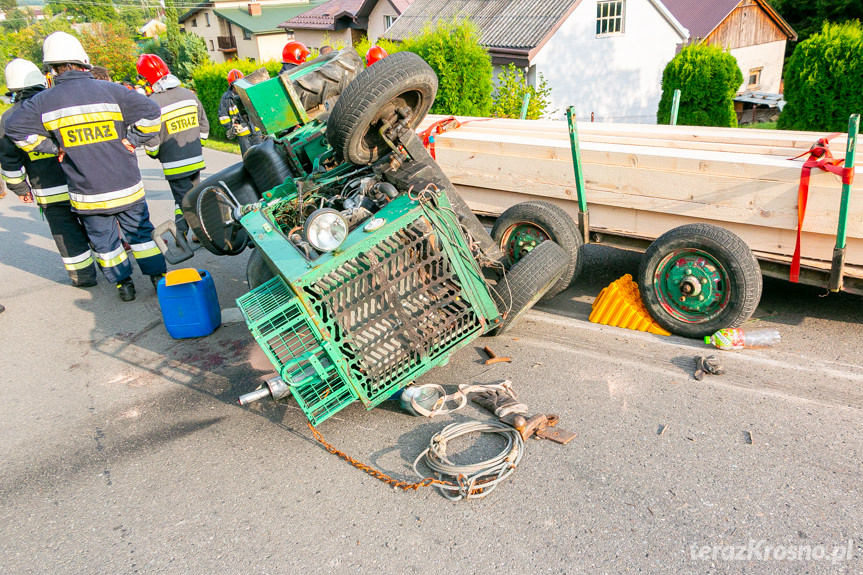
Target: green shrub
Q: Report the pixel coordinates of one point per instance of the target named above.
(822, 81)
(511, 90)
(211, 81)
(707, 78)
(193, 54)
(462, 65)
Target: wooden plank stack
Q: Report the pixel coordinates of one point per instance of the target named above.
(644, 180)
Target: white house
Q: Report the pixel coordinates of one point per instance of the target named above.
(606, 57)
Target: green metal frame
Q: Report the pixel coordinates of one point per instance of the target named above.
(836, 272)
(580, 195)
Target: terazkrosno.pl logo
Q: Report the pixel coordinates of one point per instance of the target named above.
(764, 551)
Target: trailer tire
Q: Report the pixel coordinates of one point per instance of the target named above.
(328, 80)
(258, 272)
(538, 220)
(699, 278)
(403, 79)
(527, 282)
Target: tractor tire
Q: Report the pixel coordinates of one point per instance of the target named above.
(699, 278)
(401, 80)
(543, 221)
(258, 272)
(527, 281)
(322, 82)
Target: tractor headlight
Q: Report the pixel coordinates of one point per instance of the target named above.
(326, 229)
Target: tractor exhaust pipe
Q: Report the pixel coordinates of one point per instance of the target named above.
(275, 388)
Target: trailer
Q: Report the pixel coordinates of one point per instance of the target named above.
(712, 208)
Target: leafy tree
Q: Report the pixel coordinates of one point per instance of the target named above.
(511, 90)
(462, 65)
(173, 31)
(822, 80)
(108, 44)
(89, 11)
(27, 43)
(808, 18)
(193, 53)
(707, 78)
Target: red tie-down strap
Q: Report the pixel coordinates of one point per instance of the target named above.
(822, 158)
(441, 126)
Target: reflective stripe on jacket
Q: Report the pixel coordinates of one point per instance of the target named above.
(184, 125)
(89, 119)
(229, 116)
(45, 175)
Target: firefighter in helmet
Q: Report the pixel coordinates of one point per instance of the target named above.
(293, 54)
(184, 125)
(374, 54)
(42, 176)
(94, 127)
(237, 124)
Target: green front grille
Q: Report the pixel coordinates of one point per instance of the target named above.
(281, 327)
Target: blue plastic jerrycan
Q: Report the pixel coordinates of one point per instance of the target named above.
(190, 305)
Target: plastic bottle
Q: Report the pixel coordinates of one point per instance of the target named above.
(738, 339)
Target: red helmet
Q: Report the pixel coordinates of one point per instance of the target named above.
(152, 68)
(374, 54)
(294, 53)
(234, 75)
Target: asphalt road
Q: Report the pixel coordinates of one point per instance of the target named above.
(124, 451)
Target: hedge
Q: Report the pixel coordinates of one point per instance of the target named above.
(708, 79)
(211, 81)
(822, 80)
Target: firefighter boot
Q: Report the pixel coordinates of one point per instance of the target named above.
(155, 279)
(126, 289)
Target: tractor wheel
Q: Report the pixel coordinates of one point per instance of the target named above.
(527, 282)
(402, 80)
(257, 270)
(699, 278)
(316, 82)
(524, 226)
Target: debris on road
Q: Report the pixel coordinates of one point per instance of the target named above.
(492, 358)
(662, 428)
(727, 339)
(707, 365)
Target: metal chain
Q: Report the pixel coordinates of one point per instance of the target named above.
(395, 483)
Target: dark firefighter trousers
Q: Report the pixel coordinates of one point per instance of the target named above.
(179, 188)
(71, 240)
(104, 234)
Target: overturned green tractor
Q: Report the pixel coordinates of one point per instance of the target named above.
(368, 268)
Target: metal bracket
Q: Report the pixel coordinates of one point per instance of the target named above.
(174, 255)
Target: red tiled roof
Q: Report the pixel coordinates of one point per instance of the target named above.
(324, 17)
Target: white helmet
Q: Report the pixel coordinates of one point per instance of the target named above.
(21, 73)
(63, 48)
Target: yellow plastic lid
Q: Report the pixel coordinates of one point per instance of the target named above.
(183, 276)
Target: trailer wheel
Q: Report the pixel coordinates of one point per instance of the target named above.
(524, 226)
(372, 99)
(257, 270)
(699, 278)
(527, 281)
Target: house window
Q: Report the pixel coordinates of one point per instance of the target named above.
(609, 17)
(754, 79)
(212, 46)
(194, 22)
(207, 17)
(388, 21)
(246, 34)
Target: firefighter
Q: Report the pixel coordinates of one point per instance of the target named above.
(46, 180)
(237, 124)
(184, 125)
(374, 54)
(293, 54)
(94, 128)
